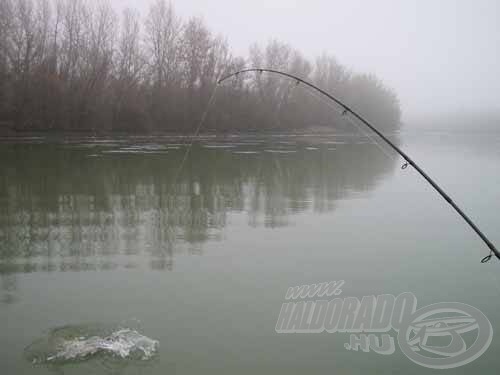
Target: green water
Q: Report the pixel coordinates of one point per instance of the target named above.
(198, 252)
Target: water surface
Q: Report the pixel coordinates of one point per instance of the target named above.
(199, 251)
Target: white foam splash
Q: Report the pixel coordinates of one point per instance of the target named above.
(123, 343)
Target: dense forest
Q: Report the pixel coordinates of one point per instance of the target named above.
(80, 65)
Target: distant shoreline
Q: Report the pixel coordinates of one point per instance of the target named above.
(457, 129)
(315, 130)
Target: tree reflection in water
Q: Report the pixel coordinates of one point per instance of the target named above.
(88, 205)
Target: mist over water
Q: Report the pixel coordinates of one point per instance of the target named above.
(440, 57)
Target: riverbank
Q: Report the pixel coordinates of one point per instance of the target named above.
(6, 131)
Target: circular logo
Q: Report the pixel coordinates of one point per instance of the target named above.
(446, 321)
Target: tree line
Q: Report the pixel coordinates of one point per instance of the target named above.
(79, 65)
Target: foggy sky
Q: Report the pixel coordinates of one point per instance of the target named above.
(439, 55)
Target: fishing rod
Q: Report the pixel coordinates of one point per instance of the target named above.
(408, 161)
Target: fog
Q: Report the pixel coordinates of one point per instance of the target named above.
(440, 56)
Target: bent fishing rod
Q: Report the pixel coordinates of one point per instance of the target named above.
(408, 161)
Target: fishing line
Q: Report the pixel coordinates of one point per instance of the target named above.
(351, 121)
(186, 154)
(211, 102)
(347, 118)
(408, 161)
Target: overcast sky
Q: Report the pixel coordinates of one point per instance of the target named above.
(439, 55)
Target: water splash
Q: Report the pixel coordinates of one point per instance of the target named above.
(70, 344)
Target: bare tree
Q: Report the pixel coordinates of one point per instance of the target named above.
(130, 57)
(5, 32)
(70, 64)
(99, 40)
(129, 69)
(24, 49)
(371, 97)
(163, 29)
(196, 43)
(72, 40)
(330, 74)
(273, 91)
(5, 28)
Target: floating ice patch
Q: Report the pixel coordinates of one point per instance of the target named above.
(85, 145)
(144, 148)
(102, 142)
(336, 142)
(69, 344)
(151, 147)
(31, 138)
(120, 152)
(135, 151)
(244, 144)
(219, 146)
(281, 151)
(246, 152)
